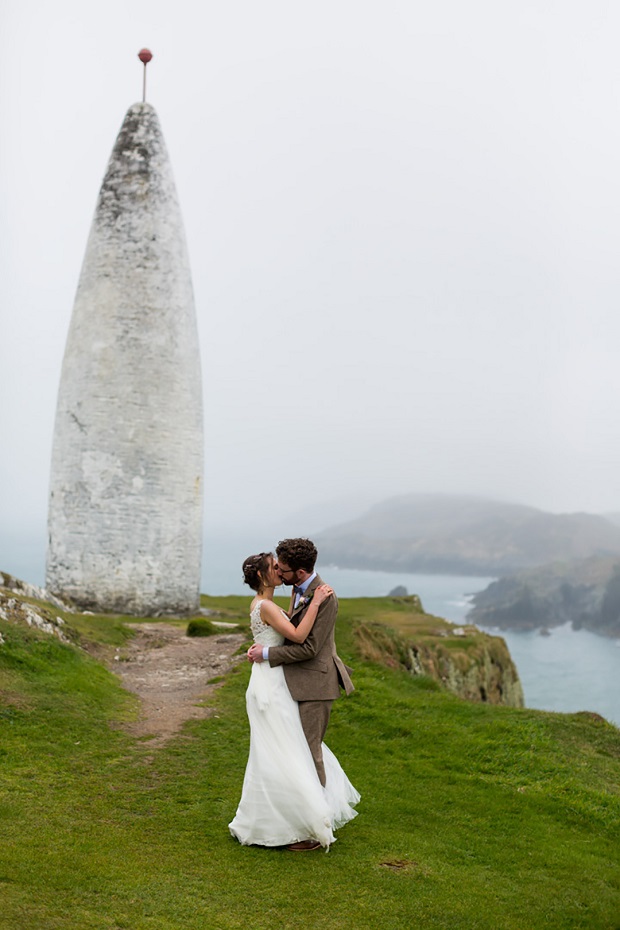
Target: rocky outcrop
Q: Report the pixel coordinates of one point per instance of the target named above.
(483, 673)
(462, 659)
(14, 609)
(23, 588)
(585, 594)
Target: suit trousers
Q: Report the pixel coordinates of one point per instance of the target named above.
(314, 719)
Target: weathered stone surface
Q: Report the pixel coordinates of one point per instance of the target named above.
(125, 513)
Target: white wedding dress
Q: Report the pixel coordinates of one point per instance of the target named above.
(283, 800)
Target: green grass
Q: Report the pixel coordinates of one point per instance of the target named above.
(471, 816)
(200, 626)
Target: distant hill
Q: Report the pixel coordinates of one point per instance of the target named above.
(446, 534)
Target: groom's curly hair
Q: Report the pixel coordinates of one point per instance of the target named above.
(297, 553)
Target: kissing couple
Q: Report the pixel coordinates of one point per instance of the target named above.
(295, 793)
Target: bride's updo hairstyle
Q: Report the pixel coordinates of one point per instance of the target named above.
(255, 569)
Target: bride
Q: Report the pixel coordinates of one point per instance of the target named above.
(283, 801)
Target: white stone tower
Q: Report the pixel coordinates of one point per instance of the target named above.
(125, 512)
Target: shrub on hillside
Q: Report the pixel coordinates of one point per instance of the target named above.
(200, 626)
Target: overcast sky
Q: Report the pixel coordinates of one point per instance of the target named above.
(404, 226)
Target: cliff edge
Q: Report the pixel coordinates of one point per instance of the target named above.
(462, 659)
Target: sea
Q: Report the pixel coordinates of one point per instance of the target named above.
(566, 671)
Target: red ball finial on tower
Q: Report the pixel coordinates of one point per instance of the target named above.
(145, 55)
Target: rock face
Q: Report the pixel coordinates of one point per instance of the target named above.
(125, 511)
(584, 593)
(484, 673)
(462, 659)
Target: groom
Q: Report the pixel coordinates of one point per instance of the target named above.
(314, 673)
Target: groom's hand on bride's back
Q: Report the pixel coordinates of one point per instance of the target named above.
(255, 653)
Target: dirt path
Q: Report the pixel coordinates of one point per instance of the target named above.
(169, 672)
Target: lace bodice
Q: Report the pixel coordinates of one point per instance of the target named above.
(262, 632)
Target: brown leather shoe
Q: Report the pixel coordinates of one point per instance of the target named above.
(304, 846)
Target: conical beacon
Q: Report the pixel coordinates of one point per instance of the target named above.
(125, 512)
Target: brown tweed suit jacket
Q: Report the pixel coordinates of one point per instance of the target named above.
(312, 669)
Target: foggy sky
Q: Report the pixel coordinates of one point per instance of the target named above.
(403, 222)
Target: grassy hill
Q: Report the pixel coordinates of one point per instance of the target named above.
(473, 817)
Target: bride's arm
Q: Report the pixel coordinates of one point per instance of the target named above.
(272, 615)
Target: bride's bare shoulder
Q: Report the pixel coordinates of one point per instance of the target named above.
(270, 612)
